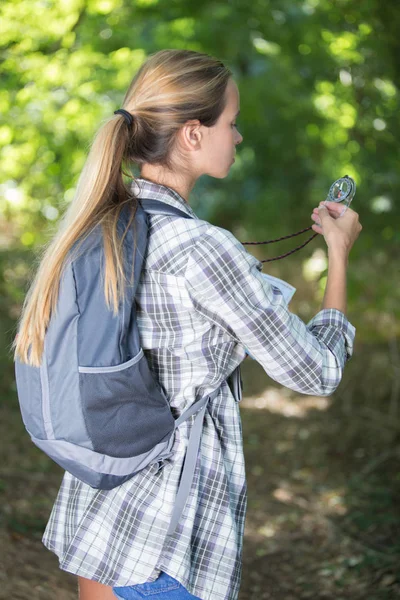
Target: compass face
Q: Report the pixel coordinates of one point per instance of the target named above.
(342, 190)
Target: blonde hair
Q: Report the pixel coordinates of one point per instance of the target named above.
(170, 88)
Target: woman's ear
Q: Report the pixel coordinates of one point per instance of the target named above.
(191, 135)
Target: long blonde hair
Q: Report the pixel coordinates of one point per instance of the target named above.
(170, 88)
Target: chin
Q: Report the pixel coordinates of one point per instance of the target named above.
(220, 174)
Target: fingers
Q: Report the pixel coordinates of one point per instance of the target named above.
(317, 225)
(316, 228)
(335, 207)
(316, 218)
(335, 210)
(322, 211)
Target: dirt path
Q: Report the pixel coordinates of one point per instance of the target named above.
(322, 519)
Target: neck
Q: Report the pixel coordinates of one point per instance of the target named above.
(181, 184)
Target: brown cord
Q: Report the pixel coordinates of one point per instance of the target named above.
(285, 237)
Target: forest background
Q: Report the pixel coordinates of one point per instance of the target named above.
(319, 84)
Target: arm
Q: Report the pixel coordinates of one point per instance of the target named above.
(335, 291)
(226, 286)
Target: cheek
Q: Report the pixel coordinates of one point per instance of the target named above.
(220, 145)
(227, 139)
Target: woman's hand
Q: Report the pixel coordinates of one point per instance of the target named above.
(338, 224)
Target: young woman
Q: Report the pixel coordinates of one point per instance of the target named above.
(201, 302)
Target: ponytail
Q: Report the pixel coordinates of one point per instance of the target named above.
(171, 88)
(100, 196)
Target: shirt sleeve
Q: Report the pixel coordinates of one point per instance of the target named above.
(225, 285)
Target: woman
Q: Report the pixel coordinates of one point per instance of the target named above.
(202, 301)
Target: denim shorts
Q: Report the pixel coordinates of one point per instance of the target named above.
(165, 587)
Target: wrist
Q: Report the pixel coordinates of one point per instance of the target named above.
(338, 255)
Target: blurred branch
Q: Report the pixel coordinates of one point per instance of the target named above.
(374, 463)
(57, 45)
(381, 419)
(394, 361)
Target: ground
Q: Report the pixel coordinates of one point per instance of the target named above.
(323, 510)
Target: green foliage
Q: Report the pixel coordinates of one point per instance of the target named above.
(319, 84)
(319, 99)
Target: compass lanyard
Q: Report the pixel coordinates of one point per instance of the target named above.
(342, 190)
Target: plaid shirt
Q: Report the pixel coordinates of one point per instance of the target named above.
(201, 302)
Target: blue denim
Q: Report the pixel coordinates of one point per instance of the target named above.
(165, 587)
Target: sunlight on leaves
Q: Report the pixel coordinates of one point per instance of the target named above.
(381, 204)
(265, 47)
(315, 265)
(277, 401)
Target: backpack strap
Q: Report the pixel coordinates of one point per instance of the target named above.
(157, 207)
(191, 456)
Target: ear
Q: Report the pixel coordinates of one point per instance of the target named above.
(191, 135)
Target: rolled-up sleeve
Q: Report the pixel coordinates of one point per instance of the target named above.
(225, 285)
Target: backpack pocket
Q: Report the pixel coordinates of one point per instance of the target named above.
(125, 410)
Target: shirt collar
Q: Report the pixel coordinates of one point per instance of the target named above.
(143, 188)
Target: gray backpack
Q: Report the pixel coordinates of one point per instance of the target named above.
(93, 405)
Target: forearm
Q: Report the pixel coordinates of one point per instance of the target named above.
(335, 292)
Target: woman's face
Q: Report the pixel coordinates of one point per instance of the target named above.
(221, 139)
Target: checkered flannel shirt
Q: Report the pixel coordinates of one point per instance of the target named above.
(201, 302)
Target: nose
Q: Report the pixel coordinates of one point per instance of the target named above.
(239, 139)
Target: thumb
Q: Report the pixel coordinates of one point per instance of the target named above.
(323, 212)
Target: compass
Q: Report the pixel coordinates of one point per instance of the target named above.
(342, 190)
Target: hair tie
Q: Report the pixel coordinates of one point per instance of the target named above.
(127, 116)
